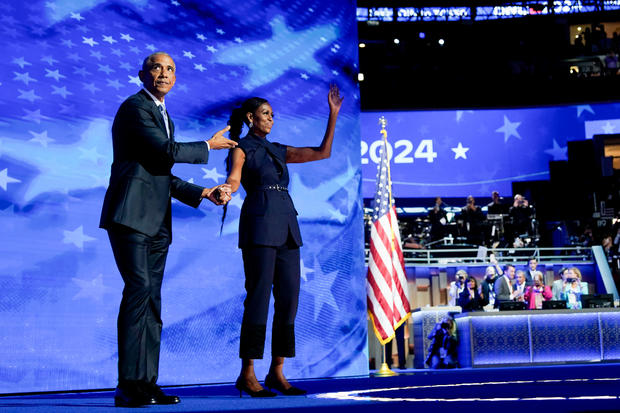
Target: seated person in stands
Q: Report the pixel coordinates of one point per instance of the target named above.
(456, 287)
(438, 220)
(496, 207)
(503, 285)
(472, 219)
(442, 351)
(537, 293)
(573, 289)
(491, 274)
(530, 270)
(519, 286)
(469, 299)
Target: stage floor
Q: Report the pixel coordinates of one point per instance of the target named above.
(560, 388)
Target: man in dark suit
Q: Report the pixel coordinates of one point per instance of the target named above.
(136, 213)
(504, 290)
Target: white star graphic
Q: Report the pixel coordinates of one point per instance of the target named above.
(77, 16)
(91, 154)
(558, 152)
(28, 95)
(68, 43)
(320, 288)
(151, 47)
(211, 49)
(459, 114)
(584, 108)
(114, 84)
(304, 76)
(76, 237)
(509, 129)
(460, 151)
(201, 36)
(49, 60)
(188, 54)
(91, 87)
(6, 179)
(300, 52)
(212, 174)
(304, 270)
(199, 67)
(238, 40)
(89, 41)
(236, 201)
(608, 128)
(42, 138)
(34, 116)
(54, 74)
(109, 39)
(20, 62)
(24, 77)
(62, 91)
(220, 31)
(93, 289)
(135, 80)
(127, 37)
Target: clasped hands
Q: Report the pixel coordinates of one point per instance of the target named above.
(219, 194)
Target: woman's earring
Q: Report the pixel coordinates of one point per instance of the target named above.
(250, 125)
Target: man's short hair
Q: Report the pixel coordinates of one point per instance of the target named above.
(147, 60)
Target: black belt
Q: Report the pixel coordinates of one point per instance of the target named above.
(272, 188)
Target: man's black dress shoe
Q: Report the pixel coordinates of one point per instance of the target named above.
(159, 396)
(272, 383)
(132, 396)
(242, 387)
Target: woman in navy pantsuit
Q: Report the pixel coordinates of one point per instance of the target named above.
(269, 237)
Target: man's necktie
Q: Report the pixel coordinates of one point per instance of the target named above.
(162, 109)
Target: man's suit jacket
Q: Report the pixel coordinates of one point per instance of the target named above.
(502, 290)
(141, 182)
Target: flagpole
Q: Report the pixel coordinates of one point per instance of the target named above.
(385, 371)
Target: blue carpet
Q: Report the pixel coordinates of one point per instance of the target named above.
(562, 388)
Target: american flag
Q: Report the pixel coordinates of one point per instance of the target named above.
(386, 287)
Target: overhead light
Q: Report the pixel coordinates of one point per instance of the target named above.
(362, 45)
(396, 41)
(422, 35)
(360, 77)
(579, 28)
(441, 42)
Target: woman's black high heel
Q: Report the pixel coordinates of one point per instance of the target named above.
(272, 383)
(243, 388)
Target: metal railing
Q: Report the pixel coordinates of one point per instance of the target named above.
(480, 255)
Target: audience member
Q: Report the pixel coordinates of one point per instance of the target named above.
(558, 285)
(486, 286)
(442, 351)
(456, 287)
(438, 220)
(522, 215)
(503, 285)
(469, 299)
(572, 290)
(472, 218)
(530, 270)
(537, 293)
(519, 287)
(496, 206)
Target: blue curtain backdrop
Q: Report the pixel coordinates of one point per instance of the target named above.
(68, 66)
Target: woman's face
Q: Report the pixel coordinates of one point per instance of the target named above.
(262, 120)
(471, 284)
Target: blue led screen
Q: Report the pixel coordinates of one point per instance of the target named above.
(68, 66)
(456, 153)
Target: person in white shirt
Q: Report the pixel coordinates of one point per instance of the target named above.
(456, 287)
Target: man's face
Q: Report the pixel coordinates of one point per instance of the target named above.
(159, 76)
(533, 264)
(510, 271)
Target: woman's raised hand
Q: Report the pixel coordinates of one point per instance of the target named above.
(334, 98)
